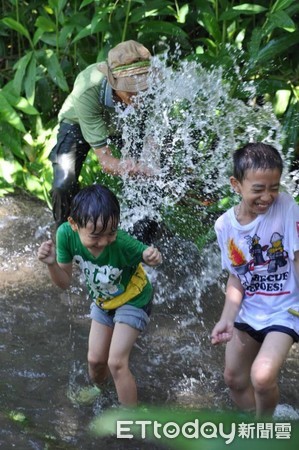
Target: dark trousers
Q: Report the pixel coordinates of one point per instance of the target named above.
(67, 158)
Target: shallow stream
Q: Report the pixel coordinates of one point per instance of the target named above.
(44, 332)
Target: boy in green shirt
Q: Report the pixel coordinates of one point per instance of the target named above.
(121, 292)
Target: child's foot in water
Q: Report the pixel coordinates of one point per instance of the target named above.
(84, 396)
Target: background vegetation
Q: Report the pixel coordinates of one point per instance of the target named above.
(44, 45)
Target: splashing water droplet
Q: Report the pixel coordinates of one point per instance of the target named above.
(190, 126)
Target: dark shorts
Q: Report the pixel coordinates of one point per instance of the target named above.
(259, 335)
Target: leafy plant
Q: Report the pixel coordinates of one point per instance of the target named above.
(45, 45)
(194, 429)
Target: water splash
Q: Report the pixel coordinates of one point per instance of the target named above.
(191, 124)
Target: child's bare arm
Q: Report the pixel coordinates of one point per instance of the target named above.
(61, 274)
(223, 330)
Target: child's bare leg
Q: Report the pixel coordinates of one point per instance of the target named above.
(265, 370)
(122, 343)
(98, 351)
(239, 356)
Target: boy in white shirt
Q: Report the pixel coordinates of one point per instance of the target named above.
(259, 242)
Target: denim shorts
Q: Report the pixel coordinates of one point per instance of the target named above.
(137, 318)
(259, 335)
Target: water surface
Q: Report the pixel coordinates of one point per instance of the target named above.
(44, 332)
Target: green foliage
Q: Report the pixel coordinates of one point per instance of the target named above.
(179, 429)
(45, 44)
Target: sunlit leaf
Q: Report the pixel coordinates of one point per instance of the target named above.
(18, 102)
(183, 12)
(245, 8)
(281, 101)
(7, 170)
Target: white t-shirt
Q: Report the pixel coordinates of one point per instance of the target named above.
(261, 254)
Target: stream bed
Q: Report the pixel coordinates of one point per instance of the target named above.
(44, 334)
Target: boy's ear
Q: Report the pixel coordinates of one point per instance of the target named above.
(235, 184)
(72, 224)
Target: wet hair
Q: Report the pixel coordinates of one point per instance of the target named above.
(95, 202)
(256, 156)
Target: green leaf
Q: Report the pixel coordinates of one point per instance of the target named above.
(282, 4)
(11, 140)
(290, 124)
(250, 8)
(182, 14)
(30, 80)
(21, 67)
(45, 24)
(281, 19)
(86, 31)
(18, 102)
(57, 5)
(203, 6)
(281, 101)
(49, 60)
(188, 429)
(277, 46)
(163, 28)
(17, 26)
(37, 35)
(245, 8)
(9, 115)
(255, 43)
(85, 3)
(211, 25)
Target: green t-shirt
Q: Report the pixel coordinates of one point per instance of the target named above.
(90, 105)
(108, 274)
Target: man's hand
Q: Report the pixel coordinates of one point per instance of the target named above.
(120, 167)
(132, 168)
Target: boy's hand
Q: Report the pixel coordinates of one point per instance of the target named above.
(222, 332)
(46, 253)
(152, 256)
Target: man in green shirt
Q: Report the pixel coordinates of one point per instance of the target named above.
(87, 121)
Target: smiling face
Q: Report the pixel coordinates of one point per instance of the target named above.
(259, 189)
(95, 239)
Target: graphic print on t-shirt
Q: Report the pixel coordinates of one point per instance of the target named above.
(102, 281)
(269, 260)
